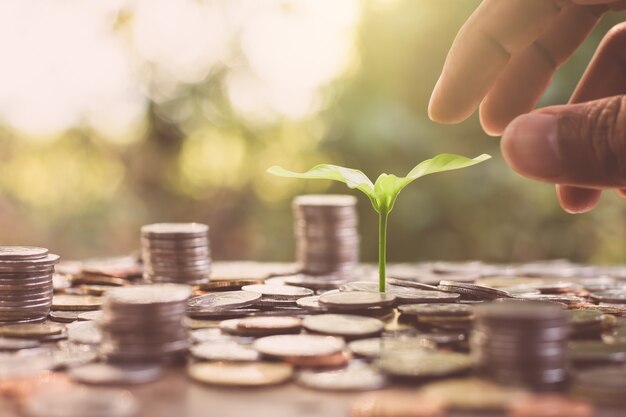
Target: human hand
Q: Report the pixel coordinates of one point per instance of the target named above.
(504, 58)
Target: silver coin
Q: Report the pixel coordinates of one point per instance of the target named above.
(300, 345)
(286, 292)
(223, 300)
(356, 300)
(149, 294)
(403, 294)
(224, 351)
(90, 315)
(416, 365)
(373, 348)
(109, 374)
(436, 309)
(173, 230)
(311, 303)
(356, 377)
(86, 332)
(345, 325)
(69, 355)
(22, 252)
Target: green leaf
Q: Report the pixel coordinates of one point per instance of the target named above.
(353, 178)
(444, 162)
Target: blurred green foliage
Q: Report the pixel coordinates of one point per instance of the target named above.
(196, 158)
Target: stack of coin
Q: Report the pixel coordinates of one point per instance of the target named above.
(144, 323)
(521, 343)
(176, 252)
(327, 240)
(25, 283)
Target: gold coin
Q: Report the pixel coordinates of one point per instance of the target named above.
(234, 374)
(31, 330)
(69, 302)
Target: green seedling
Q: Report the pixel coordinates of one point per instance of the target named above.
(384, 192)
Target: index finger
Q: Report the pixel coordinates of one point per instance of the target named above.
(483, 46)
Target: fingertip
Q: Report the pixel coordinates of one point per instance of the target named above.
(490, 125)
(442, 107)
(576, 200)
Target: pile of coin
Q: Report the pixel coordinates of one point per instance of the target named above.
(327, 240)
(144, 323)
(521, 343)
(25, 283)
(176, 252)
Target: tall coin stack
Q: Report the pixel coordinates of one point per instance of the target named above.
(327, 240)
(176, 252)
(144, 323)
(25, 283)
(521, 343)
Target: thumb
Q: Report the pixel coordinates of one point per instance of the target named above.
(578, 144)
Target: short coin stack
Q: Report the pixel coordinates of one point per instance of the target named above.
(521, 343)
(327, 240)
(144, 323)
(25, 283)
(176, 252)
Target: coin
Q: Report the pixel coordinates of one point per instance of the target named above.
(75, 302)
(411, 284)
(240, 374)
(356, 377)
(404, 295)
(311, 303)
(176, 252)
(355, 300)
(171, 230)
(349, 326)
(63, 316)
(273, 325)
(31, 331)
(298, 345)
(472, 291)
(90, 315)
(150, 294)
(81, 402)
(213, 302)
(609, 296)
(327, 240)
(87, 332)
(284, 292)
(395, 403)
(69, 355)
(436, 309)
(320, 282)
(375, 347)
(227, 284)
(521, 343)
(22, 253)
(109, 374)
(416, 365)
(224, 351)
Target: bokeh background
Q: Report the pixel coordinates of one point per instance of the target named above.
(119, 113)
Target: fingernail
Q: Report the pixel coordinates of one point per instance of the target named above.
(529, 144)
